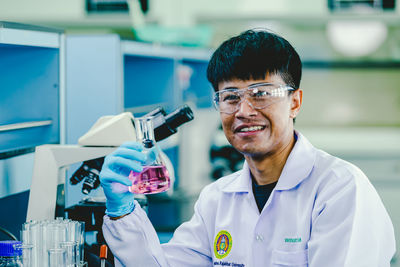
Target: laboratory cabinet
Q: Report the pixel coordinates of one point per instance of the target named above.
(107, 76)
(30, 87)
(195, 89)
(164, 76)
(32, 84)
(148, 83)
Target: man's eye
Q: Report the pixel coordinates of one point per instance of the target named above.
(230, 97)
(260, 93)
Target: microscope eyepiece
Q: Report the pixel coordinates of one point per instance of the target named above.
(179, 117)
(172, 122)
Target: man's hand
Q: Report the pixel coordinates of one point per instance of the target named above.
(114, 177)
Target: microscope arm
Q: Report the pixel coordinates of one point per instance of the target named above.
(49, 160)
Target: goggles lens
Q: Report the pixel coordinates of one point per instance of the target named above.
(259, 97)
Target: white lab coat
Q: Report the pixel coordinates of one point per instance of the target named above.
(323, 212)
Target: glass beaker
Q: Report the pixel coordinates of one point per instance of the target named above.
(154, 177)
(26, 254)
(57, 257)
(71, 250)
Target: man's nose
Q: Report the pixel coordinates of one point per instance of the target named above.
(245, 108)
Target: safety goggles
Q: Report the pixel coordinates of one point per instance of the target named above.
(258, 96)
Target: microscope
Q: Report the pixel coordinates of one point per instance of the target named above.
(164, 126)
(46, 199)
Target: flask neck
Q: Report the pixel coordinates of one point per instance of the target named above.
(145, 135)
(145, 131)
(147, 143)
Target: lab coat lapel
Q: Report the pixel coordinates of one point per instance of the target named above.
(298, 165)
(242, 183)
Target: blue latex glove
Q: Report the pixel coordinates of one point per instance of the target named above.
(114, 177)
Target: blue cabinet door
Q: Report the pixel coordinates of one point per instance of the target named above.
(29, 97)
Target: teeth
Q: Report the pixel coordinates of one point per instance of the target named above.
(250, 129)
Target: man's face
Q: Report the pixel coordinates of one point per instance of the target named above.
(261, 132)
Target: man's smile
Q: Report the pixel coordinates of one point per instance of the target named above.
(249, 129)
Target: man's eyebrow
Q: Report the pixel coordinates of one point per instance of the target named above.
(230, 87)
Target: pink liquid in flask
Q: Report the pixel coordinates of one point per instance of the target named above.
(153, 179)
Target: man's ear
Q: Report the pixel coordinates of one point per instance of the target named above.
(296, 101)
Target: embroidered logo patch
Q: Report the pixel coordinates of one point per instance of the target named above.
(222, 244)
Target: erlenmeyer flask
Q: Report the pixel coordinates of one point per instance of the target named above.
(154, 178)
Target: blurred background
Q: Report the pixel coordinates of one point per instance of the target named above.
(84, 59)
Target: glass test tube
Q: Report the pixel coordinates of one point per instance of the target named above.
(34, 237)
(80, 238)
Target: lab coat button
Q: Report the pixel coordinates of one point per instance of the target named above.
(259, 238)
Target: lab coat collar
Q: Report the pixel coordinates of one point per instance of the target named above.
(242, 183)
(298, 167)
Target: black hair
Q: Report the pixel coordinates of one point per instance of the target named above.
(252, 55)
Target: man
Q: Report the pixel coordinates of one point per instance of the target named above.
(290, 205)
